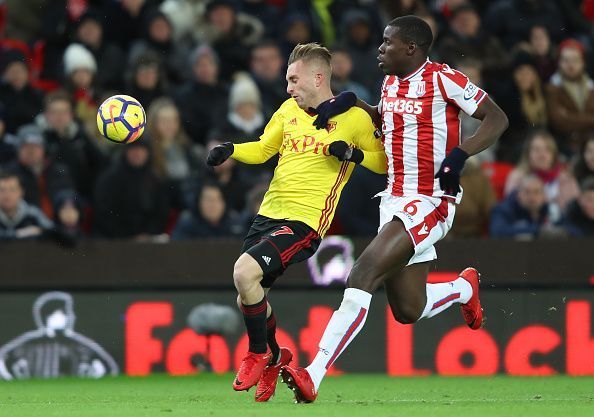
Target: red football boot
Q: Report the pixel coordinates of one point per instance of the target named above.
(472, 311)
(298, 380)
(251, 370)
(269, 378)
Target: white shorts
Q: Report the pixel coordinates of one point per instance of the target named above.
(426, 219)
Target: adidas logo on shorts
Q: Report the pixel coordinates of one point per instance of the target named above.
(267, 259)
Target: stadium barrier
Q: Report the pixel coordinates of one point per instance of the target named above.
(204, 264)
(105, 308)
(540, 332)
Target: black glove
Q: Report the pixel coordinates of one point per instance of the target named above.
(219, 154)
(343, 152)
(449, 172)
(330, 108)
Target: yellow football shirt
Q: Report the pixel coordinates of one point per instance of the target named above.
(308, 181)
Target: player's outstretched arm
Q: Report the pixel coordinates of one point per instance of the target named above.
(256, 152)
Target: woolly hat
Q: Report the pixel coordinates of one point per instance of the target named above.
(244, 90)
(77, 57)
(30, 135)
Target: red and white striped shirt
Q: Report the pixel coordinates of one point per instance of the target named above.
(421, 125)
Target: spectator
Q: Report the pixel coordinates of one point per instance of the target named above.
(267, 12)
(359, 42)
(18, 219)
(146, 80)
(579, 219)
(510, 21)
(126, 20)
(207, 219)
(231, 35)
(266, 67)
(358, 210)
(158, 38)
(22, 101)
(342, 67)
(472, 214)
(68, 215)
(570, 97)
(245, 120)
(109, 57)
(130, 200)
(541, 158)
(297, 30)
(203, 99)
(230, 179)
(253, 201)
(584, 165)
(173, 160)
(68, 144)
(8, 142)
(523, 213)
(40, 177)
(467, 40)
(525, 107)
(541, 49)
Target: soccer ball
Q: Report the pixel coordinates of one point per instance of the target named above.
(121, 119)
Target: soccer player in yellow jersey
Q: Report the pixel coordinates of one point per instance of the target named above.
(297, 210)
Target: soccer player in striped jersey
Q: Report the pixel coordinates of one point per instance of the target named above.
(298, 208)
(419, 114)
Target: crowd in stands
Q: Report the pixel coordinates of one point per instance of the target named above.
(210, 71)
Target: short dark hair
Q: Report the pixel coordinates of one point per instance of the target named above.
(57, 95)
(413, 29)
(7, 175)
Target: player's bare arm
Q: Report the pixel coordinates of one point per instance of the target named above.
(494, 123)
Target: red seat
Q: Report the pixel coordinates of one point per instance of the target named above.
(497, 173)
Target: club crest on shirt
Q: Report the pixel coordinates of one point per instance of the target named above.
(331, 126)
(420, 90)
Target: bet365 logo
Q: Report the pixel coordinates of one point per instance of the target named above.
(402, 106)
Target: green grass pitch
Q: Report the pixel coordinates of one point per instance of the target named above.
(349, 395)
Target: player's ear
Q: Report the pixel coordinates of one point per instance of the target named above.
(319, 79)
(412, 47)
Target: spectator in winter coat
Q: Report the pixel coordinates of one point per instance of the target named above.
(19, 220)
(579, 218)
(68, 144)
(209, 217)
(523, 213)
(130, 200)
(41, 178)
(22, 101)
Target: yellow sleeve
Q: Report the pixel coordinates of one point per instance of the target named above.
(374, 156)
(265, 148)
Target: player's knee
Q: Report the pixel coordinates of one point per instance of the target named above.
(364, 277)
(407, 314)
(239, 303)
(244, 274)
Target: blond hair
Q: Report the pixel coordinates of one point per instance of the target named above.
(181, 138)
(309, 52)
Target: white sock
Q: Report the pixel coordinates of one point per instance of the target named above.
(342, 328)
(441, 296)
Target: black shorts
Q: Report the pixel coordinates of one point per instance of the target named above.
(276, 244)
